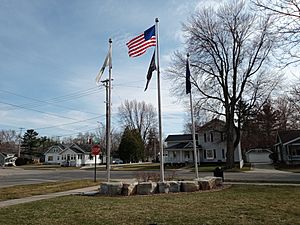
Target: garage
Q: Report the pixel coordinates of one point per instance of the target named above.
(258, 156)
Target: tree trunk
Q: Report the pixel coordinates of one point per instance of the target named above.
(230, 141)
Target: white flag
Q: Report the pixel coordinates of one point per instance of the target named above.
(107, 62)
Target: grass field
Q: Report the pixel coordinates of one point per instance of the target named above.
(21, 191)
(236, 205)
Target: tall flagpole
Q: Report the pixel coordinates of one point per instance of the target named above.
(162, 174)
(108, 138)
(193, 130)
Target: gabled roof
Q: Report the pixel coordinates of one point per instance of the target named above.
(179, 137)
(61, 146)
(289, 135)
(182, 145)
(214, 124)
(76, 149)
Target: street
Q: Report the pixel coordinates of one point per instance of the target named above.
(19, 176)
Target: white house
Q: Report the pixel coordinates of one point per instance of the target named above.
(210, 145)
(71, 155)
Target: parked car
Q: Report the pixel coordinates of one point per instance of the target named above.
(117, 161)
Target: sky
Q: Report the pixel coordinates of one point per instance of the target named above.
(52, 50)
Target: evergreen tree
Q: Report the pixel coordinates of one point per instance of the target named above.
(131, 148)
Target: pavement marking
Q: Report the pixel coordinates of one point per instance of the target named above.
(44, 180)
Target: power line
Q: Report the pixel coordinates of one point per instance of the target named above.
(64, 124)
(54, 100)
(35, 110)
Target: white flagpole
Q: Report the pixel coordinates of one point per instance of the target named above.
(109, 112)
(193, 130)
(162, 174)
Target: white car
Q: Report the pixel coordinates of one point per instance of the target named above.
(117, 161)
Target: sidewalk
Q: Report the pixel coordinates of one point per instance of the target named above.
(47, 196)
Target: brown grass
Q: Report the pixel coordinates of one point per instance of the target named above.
(276, 205)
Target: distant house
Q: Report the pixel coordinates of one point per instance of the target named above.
(210, 145)
(287, 146)
(70, 155)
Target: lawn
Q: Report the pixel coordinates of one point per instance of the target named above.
(21, 191)
(236, 205)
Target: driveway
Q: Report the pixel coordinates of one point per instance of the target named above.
(264, 168)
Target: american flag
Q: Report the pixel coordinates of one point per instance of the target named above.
(138, 45)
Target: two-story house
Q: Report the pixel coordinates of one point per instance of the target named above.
(210, 142)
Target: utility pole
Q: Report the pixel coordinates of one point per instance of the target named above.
(107, 85)
(20, 135)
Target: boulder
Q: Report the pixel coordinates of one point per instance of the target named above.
(207, 183)
(189, 186)
(146, 188)
(111, 188)
(174, 186)
(129, 188)
(104, 188)
(163, 187)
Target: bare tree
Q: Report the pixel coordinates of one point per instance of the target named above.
(287, 14)
(138, 115)
(9, 141)
(229, 48)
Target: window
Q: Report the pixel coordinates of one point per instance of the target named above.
(174, 155)
(204, 137)
(57, 158)
(187, 155)
(50, 158)
(91, 157)
(222, 136)
(79, 156)
(211, 136)
(210, 153)
(223, 153)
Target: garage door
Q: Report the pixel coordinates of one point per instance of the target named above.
(259, 157)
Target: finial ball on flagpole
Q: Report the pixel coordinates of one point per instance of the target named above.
(156, 20)
(109, 40)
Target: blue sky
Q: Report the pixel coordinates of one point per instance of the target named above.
(51, 51)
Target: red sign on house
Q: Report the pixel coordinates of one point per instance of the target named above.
(96, 150)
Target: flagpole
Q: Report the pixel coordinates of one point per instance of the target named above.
(162, 175)
(193, 130)
(108, 138)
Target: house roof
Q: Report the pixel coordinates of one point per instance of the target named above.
(289, 135)
(76, 149)
(182, 145)
(179, 137)
(212, 125)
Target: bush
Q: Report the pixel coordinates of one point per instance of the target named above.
(21, 161)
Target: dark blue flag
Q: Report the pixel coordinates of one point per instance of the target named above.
(188, 78)
(152, 67)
